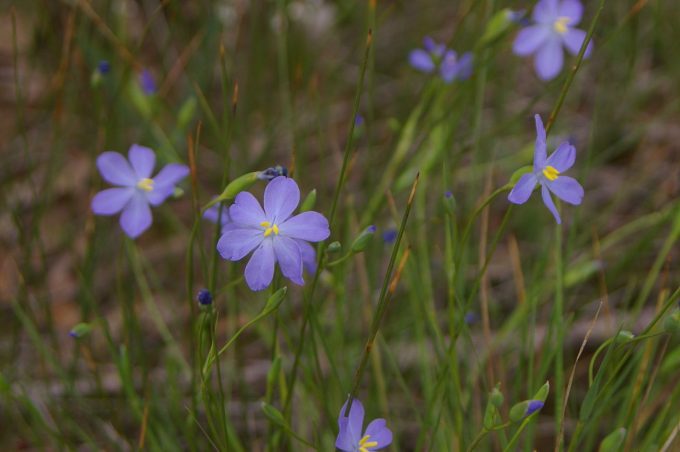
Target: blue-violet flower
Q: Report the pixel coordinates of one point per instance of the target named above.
(273, 234)
(135, 188)
(350, 438)
(548, 173)
(553, 22)
(434, 56)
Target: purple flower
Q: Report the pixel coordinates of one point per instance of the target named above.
(104, 67)
(350, 438)
(213, 215)
(273, 234)
(389, 235)
(553, 28)
(147, 82)
(548, 173)
(135, 188)
(434, 56)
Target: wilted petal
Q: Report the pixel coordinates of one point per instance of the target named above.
(545, 11)
(260, 268)
(308, 254)
(289, 258)
(142, 159)
(281, 197)
(523, 189)
(421, 60)
(573, 40)
(136, 217)
(567, 189)
(111, 201)
(563, 158)
(547, 200)
(235, 243)
(540, 152)
(350, 426)
(310, 226)
(115, 169)
(573, 9)
(246, 210)
(379, 433)
(549, 59)
(529, 39)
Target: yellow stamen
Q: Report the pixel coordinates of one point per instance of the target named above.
(560, 24)
(145, 184)
(269, 228)
(550, 173)
(364, 443)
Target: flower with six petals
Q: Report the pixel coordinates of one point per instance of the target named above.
(273, 234)
(548, 173)
(135, 188)
(350, 438)
(553, 22)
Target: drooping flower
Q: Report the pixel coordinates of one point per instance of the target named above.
(350, 437)
(135, 188)
(273, 234)
(553, 22)
(548, 173)
(436, 56)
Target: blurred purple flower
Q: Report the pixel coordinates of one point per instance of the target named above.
(358, 120)
(273, 234)
(213, 215)
(135, 188)
(433, 56)
(471, 318)
(547, 173)
(553, 21)
(104, 67)
(389, 235)
(147, 82)
(350, 438)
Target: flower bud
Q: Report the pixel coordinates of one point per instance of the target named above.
(624, 336)
(238, 185)
(204, 298)
(524, 409)
(186, 112)
(364, 238)
(450, 202)
(672, 322)
(496, 397)
(334, 247)
(542, 392)
(80, 330)
(309, 202)
(271, 173)
(613, 441)
(499, 24)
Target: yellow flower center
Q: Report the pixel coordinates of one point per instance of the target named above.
(560, 24)
(145, 184)
(364, 443)
(550, 173)
(269, 228)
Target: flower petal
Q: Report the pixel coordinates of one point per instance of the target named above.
(573, 9)
(246, 211)
(421, 60)
(465, 66)
(111, 200)
(379, 433)
(523, 188)
(350, 426)
(567, 189)
(142, 159)
(308, 254)
(115, 169)
(540, 153)
(289, 258)
(310, 226)
(549, 59)
(563, 158)
(165, 181)
(260, 268)
(235, 243)
(429, 44)
(213, 215)
(281, 197)
(136, 217)
(529, 39)
(547, 200)
(573, 40)
(545, 11)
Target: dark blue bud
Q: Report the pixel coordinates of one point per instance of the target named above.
(389, 236)
(104, 67)
(271, 173)
(532, 407)
(204, 297)
(358, 120)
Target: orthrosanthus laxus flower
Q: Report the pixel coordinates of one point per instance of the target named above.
(213, 215)
(350, 438)
(273, 233)
(548, 173)
(136, 189)
(433, 56)
(552, 28)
